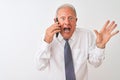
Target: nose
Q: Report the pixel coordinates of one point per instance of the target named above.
(66, 21)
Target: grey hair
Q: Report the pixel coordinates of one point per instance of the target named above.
(64, 6)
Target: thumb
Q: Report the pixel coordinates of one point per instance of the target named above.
(98, 36)
(96, 32)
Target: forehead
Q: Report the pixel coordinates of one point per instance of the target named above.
(66, 11)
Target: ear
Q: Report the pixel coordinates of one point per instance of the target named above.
(76, 19)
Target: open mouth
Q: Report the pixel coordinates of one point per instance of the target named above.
(66, 29)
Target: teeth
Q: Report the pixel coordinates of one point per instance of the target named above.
(67, 29)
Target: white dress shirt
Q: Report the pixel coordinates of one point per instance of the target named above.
(50, 57)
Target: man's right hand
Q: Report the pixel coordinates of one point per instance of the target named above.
(53, 29)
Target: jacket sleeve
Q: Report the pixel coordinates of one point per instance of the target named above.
(96, 55)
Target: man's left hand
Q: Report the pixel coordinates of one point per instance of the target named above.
(105, 34)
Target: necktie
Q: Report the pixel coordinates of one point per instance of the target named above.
(69, 68)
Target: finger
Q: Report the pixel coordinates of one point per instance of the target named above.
(56, 31)
(54, 26)
(57, 24)
(98, 36)
(106, 24)
(111, 24)
(114, 33)
(96, 32)
(112, 27)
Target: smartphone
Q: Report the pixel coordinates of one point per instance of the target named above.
(58, 32)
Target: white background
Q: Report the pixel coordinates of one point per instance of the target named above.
(23, 21)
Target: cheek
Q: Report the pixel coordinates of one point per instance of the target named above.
(73, 29)
(73, 26)
(74, 23)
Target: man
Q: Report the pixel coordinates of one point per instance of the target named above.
(84, 47)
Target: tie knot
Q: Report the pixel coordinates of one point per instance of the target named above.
(66, 40)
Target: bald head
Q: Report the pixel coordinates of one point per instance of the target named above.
(66, 6)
